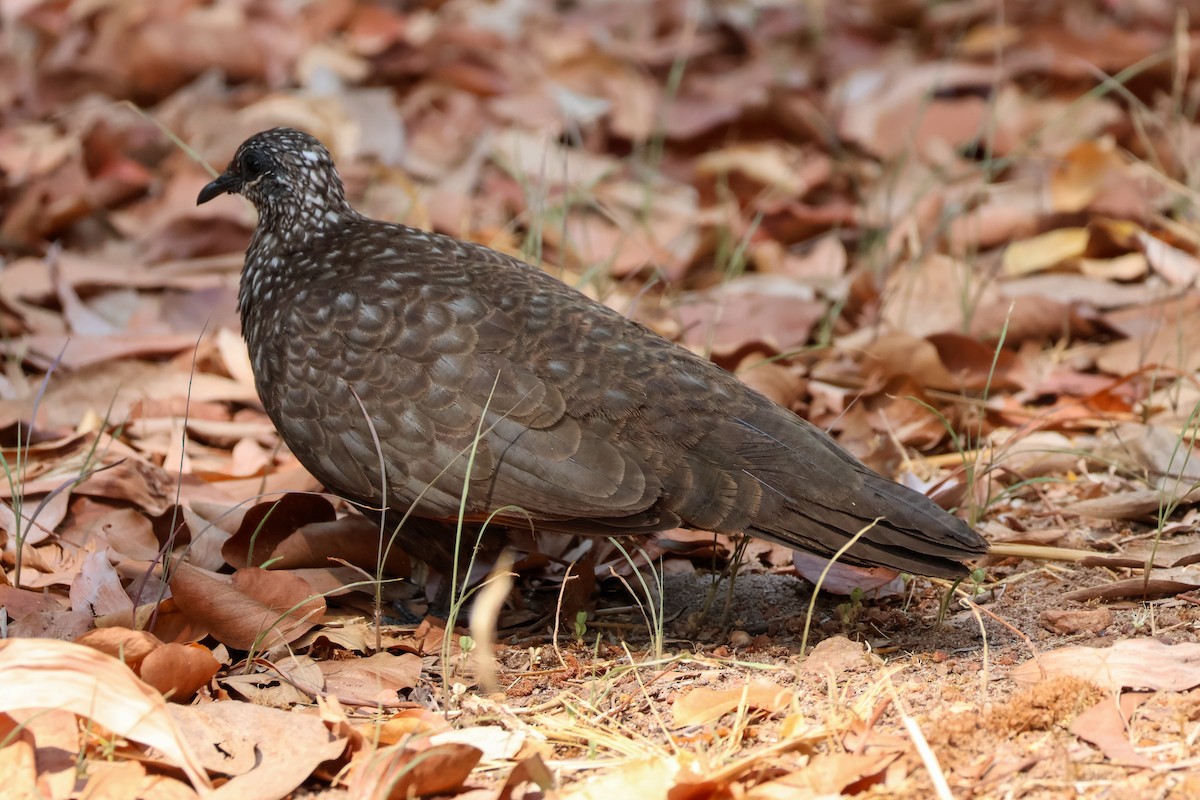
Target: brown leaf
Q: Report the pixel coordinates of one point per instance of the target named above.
(18, 769)
(836, 656)
(928, 297)
(128, 646)
(20, 602)
(784, 385)
(376, 679)
(843, 579)
(1104, 726)
(528, 770)
(268, 752)
(827, 775)
(256, 608)
(98, 587)
(112, 780)
(1044, 251)
(1128, 664)
(1082, 172)
(1134, 504)
(58, 737)
(1178, 267)
(702, 706)
(821, 264)
(352, 539)
(267, 524)
(397, 771)
(876, 103)
(179, 670)
(653, 777)
(1159, 583)
(50, 674)
(774, 165)
(762, 310)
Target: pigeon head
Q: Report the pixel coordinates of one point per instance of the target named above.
(289, 177)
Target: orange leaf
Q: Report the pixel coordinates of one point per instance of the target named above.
(43, 673)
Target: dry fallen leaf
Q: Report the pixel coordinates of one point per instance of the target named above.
(267, 751)
(648, 778)
(1128, 664)
(255, 608)
(1045, 251)
(1104, 725)
(63, 675)
(400, 771)
(702, 706)
(1083, 172)
(827, 775)
(375, 679)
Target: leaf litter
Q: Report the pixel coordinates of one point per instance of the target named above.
(965, 244)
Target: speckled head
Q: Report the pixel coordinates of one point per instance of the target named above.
(289, 177)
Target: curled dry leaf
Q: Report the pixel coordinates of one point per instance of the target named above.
(176, 670)
(837, 656)
(822, 264)
(1067, 621)
(1158, 583)
(401, 771)
(1164, 554)
(49, 674)
(403, 725)
(111, 780)
(97, 588)
(123, 644)
(256, 608)
(784, 385)
(58, 737)
(1134, 504)
(528, 770)
(179, 670)
(877, 102)
(496, 743)
(128, 532)
(268, 523)
(21, 602)
(780, 167)
(1178, 267)
(351, 539)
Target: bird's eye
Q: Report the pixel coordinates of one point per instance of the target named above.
(254, 164)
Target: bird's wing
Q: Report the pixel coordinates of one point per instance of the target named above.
(438, 379)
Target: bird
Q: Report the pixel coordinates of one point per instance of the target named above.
(444, 381)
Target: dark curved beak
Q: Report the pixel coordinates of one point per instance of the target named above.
(226, 183)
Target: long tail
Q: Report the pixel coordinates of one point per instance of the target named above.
(832, 497)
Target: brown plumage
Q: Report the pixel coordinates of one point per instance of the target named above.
(586, 421)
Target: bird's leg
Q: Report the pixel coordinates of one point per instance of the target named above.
(728, 571)
(731, 572)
